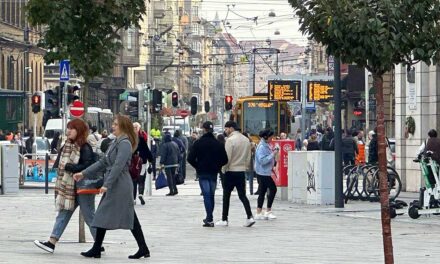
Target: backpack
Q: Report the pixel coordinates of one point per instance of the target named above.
(135, 166)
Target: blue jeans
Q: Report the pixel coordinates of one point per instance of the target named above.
(86, 202)
(208, 185)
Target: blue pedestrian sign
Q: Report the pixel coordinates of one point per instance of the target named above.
(64, 70)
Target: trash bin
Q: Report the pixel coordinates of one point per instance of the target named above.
(9, 168)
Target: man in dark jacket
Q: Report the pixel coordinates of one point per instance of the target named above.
(145, 154)
(433, 144)
(169, 160)
(349, 148)
(208, 156)
(372, 149)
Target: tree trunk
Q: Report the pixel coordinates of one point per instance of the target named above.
(383, 178)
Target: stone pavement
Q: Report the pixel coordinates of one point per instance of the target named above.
(172, 226)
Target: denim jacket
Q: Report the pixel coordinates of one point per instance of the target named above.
(264, 159)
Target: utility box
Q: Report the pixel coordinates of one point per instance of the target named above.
(9, 168)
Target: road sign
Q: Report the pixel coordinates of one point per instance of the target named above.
(285, 90)
(77, 109)
(64, 70)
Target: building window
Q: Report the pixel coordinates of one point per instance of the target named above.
(195, 11)
(130, 37)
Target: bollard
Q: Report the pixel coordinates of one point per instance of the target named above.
(46, 175)
(148, 183)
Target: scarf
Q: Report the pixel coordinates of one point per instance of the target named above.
(65, 185)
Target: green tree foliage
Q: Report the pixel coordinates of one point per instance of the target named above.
(85, 31)
(375, 34)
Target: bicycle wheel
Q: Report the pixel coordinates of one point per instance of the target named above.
(368, 182)
(351, 184)
(394, 185)
(362, 181)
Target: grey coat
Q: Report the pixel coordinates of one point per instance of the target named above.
(116, 209)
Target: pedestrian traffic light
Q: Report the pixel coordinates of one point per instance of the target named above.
(157, 101)
(36, 103)
(72, 93)
(228, 102)
(174, 99)
(207, 106)
(193, 105)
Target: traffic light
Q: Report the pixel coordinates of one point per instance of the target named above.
(228, 102)
(207, 106)
(175, 99)
(72, 93)
(52, 103)
(193, 105)
(36, 103)
(157, 101)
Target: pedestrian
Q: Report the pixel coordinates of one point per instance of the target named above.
(29, 142)
(373, 148)
(9, 136)
(192, 139)
(56, 142)
(327, 139)
(154, 152)
(93, 138)
(298, 140)
(20, 142)
(349, 149)
(221, 138)
(304, 145)
(208, 156)
(264, 163)
(116, 209)
(145, 154)
(74, 156)
(313, 143)
(135, 173)
(250, 170)
(104, 135)
(283, 136)
(238, 150)
(2, 136)
(433, 144)
(184, 140)
(182, 157)
(169, 161)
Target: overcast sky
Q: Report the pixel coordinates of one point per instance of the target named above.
(244, 28)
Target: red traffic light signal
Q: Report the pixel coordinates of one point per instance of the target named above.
(36, 103)
(175, 99)
(228, 102)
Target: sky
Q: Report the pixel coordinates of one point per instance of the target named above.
(243, 27)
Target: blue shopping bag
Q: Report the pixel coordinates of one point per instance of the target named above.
(161, 180)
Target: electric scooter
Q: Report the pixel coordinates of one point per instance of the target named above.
(429, 197)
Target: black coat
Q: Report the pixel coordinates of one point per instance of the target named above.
(86, 158)
(312, 145)
(372, 150)
(207, 155)
(144, 150)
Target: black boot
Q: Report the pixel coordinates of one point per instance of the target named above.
(92, 253)
(95, 251)
(143, 251)
(141, 198)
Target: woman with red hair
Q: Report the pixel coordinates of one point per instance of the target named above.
(75, 156)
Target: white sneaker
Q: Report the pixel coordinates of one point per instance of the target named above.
(261, 216)
(249, 222)
(221, 223)
(270, 215)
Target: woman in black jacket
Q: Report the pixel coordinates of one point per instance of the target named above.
(313, 143)
(75, 156)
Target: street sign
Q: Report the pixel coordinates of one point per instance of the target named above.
(64, 70)
(319, 91)
(285, 90)
(77, 109)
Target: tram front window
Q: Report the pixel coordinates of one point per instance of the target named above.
(260, 115)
